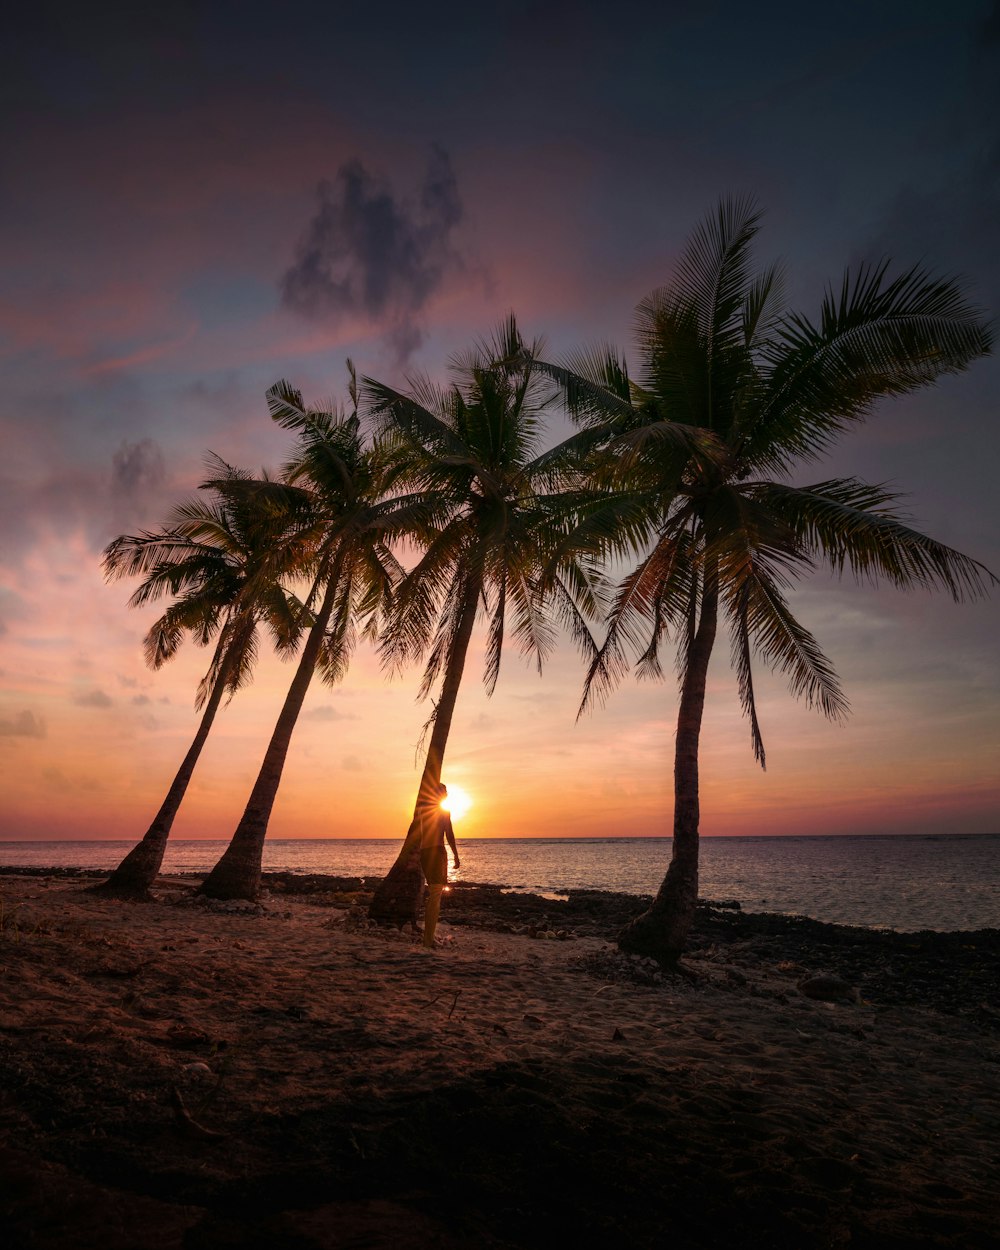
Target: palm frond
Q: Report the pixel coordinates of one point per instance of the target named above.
(423, 428)
(851, 524)
(742, 662)
(340, 637)
(763, 304)
(877, 337)
(494, 639)
(446, 631)
(419, 596)
(595, 388)
(163, 639)
(533, 628)
(131, 555)
(284, 403)
(787, 646)
(572, 607)
(712, 275)
(676, 369)
(649, 600)
(693, 333)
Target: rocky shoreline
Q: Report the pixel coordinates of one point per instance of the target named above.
(953, 972)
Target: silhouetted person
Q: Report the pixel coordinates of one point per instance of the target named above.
(435, 828)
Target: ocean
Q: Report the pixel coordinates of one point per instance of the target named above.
(903, 882)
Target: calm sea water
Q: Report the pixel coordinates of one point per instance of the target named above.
(904, 883)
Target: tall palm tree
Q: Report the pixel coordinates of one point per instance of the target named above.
(222, 559)
(727, 534)
(500, 548)
(346, 485)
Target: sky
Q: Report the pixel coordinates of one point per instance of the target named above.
(200, 199)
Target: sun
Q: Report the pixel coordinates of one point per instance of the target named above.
(457, 801)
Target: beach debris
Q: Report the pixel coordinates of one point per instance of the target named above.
(437, 998)
(184, 1036)
(541, 930)
(226, 906)
(829, 988)
(187, 1123)
(789, 968)
(610, 964)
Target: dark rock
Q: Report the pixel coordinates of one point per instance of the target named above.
(828, 988)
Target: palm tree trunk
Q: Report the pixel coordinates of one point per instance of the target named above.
(136, 873)
(237, 874)
(398, 896)
(662, 930)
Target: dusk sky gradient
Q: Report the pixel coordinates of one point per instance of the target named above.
(200, 199)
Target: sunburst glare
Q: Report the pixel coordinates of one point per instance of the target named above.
(457, 801)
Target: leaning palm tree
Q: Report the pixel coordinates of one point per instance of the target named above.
(501, 547)
(727, 535)
(346, 485)
(222, 559)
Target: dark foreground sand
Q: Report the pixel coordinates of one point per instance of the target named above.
(184, 1075)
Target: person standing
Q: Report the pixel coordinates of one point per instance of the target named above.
(436, 828)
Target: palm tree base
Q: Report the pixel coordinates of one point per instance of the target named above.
(229, 885)
(236, 875)
(135, 875)
(121, 890)
(656, 936)
(397, 899)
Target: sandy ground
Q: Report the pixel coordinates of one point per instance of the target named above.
(176, 1075)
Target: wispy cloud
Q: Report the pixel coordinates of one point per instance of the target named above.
(93, 698)
(137, 466)
(369, 251)
(141, 355)
(24, 725)
(327, 713)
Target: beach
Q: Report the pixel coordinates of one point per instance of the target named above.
(193, 1074)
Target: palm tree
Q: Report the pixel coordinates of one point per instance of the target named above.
(727, 534)
(501, 546)
(221, 559)
(347, 488)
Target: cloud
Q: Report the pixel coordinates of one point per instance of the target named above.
(326, 713)
(137, 467)
(140, 700)
(138, 483)
(93, 698)
(56, 779)
(366, 251)
(24, 725)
